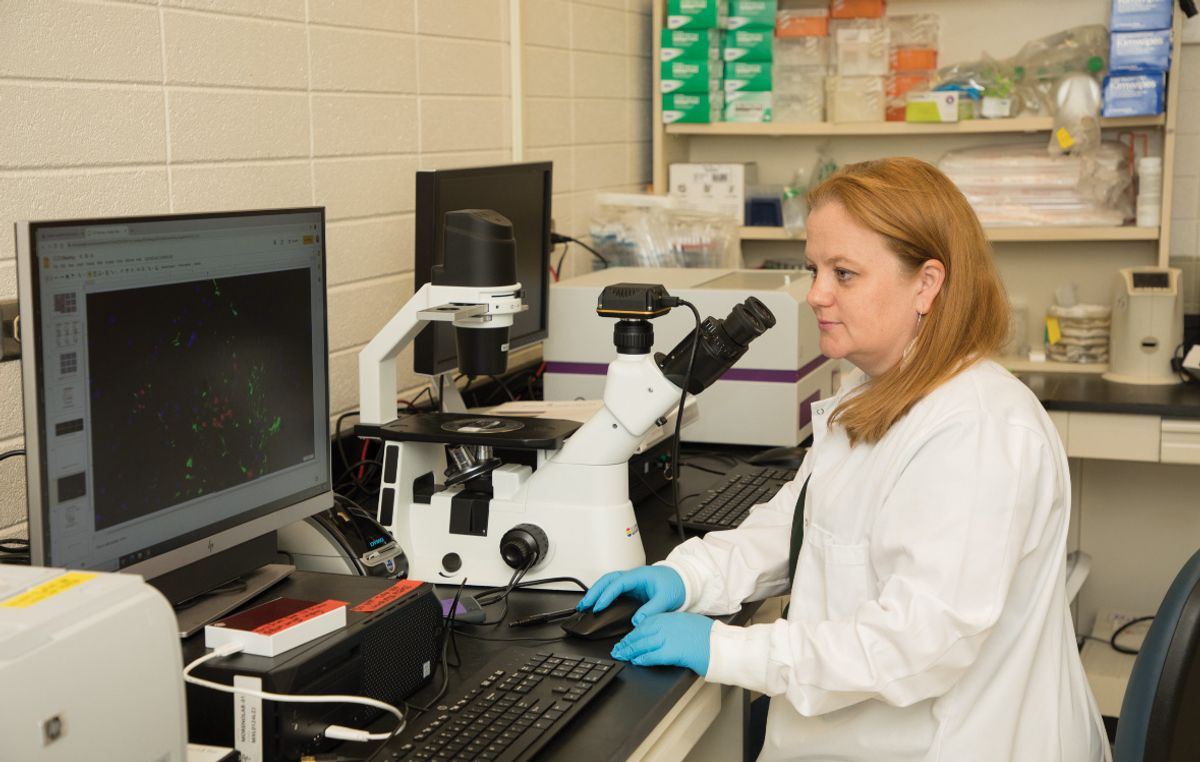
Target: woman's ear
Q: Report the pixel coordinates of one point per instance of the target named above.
(930, 278)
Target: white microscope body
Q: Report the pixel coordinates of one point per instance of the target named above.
(578, 496)
(570, 517)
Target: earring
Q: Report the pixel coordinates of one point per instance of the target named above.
(920, 317)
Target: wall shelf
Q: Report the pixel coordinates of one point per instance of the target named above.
(895, 129)
(1126, 233)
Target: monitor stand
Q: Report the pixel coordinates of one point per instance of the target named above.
(216, 605)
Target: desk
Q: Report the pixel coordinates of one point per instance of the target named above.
(647, 713)
(657, 713)
(1135, 488)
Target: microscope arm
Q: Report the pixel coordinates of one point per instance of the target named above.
(480, 306)
(377, 360)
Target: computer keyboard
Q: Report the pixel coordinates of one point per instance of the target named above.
(728, 503)
(525, 697)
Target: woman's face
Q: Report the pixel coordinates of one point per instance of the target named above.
(865, 303)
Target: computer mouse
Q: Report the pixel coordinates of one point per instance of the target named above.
(783, 457)
(612, 622)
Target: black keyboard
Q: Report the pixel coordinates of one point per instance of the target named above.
(523, 700)
(725, 505)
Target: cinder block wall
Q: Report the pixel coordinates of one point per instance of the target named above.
(125, 107)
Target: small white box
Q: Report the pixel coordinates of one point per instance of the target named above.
(716, 186)
(276, 626)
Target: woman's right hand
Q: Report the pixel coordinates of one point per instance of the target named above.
(660, 587)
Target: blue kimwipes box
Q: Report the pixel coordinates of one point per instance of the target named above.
(1134, 93)
(1140, 51)
(1141, 15)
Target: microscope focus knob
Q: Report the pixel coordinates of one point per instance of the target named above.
(524, 545)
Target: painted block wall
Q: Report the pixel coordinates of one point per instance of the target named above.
(125, 107)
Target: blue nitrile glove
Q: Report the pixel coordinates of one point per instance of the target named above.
(659, 586)
(677, 638)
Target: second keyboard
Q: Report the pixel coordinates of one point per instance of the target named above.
(727, 504)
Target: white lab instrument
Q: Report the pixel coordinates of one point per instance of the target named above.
(1147, 326)
(92, 668)
(571, 516)
(766, 400)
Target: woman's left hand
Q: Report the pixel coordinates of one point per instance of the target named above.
(676, 638)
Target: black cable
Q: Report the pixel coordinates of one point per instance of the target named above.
(503, 386)
(558, 267)
(15, 551)
(447, 630)
(1112, 641)
(556, 237)
(524, 583)
(351, 468)
(337, 433)
(473, 636)
(703, 468)
(427, 391)
(10, 454)
(687, 380)
(723, 456)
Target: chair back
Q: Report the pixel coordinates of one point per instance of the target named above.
(1160, 714)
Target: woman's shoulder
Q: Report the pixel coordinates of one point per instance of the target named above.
(986, 389)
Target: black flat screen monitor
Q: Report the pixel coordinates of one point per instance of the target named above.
(520, 192)
(176, 389)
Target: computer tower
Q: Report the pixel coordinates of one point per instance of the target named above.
(385, 654)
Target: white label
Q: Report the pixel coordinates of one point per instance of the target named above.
(996, 108)
(247, 719)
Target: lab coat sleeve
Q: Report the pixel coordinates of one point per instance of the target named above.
(724, 569)
(973, 499)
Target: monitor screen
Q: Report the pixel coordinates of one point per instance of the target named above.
(176, 384)
(520, 192)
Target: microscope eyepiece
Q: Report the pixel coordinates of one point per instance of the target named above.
(721, 343)
(743, 325)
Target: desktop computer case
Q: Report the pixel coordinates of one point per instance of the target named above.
(386, 655)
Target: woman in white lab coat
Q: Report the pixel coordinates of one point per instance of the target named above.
(928, 616)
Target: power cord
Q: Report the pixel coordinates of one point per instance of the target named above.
(687, 381)
(557, 238)
(1112, 641)
(10, 454)
(335, 732)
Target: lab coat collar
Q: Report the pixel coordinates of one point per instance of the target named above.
(821, 409)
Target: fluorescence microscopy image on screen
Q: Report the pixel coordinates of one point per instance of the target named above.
(197, 387)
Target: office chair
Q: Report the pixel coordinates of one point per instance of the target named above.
(1160, 714)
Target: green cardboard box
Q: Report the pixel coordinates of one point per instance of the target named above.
(743, 106)
(752, 14)
(697, 14)
(747, 75)
(692, 108)
(680, 76)
(748, 45)
(690, 44)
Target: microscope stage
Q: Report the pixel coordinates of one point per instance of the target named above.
(474, 429)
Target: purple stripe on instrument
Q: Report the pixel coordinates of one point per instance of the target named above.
(733, 374)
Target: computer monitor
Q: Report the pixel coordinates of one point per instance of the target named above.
(176, 390)
(520, 192)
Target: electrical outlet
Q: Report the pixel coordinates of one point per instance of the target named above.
(10, 322)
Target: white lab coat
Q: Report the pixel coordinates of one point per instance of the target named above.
(928, 616)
